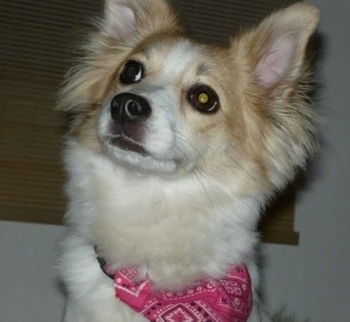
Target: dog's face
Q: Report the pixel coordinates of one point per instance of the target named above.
(155, 101)
(164, 100)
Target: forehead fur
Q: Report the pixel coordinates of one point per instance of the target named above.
(168, 59)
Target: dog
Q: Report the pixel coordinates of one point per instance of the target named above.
(174, 148)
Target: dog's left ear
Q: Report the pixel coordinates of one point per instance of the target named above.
(276, 49)
(273, 72)
(127, 20)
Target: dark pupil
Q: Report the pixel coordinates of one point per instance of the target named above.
(204, 99)
(132, 73)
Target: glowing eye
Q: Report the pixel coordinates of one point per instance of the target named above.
(132, 73)
(203, 98)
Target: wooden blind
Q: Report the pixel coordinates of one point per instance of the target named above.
(214, 21)
(36, 42)
(35, 51)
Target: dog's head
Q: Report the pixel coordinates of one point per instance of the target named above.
(155, 101)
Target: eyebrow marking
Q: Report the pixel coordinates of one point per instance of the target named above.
(203, 69)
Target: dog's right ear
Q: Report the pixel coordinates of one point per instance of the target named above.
(119, 18)
(126, 20)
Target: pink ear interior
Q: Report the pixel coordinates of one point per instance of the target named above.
(276, 63)
(120, 20)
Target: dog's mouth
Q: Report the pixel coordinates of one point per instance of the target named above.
(133, 154)
(126, 143)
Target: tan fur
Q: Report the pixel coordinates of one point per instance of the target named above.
(205, 175)
(88, 82)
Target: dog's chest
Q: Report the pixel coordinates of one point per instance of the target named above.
(148, 218)
(178, 229)
(167, 226)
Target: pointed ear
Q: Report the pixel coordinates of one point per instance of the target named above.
(279, 44)
(119, 18)
(124, 19)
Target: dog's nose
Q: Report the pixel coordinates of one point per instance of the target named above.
(127, 107)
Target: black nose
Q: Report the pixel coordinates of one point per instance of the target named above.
(127, 107)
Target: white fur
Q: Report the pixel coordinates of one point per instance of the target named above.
(184, 229)
(187, 208)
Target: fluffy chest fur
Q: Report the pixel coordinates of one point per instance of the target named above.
(161, 224)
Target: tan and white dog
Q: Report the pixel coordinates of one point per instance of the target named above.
(174, 149)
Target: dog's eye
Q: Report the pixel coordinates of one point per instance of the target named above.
(203, 98)
(132, 72)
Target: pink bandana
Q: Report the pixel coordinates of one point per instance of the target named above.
(225, 300)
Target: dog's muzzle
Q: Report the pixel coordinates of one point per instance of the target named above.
(129, 113)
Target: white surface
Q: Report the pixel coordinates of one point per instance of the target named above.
(28, 289)
(313, 279)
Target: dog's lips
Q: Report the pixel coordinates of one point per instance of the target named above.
(124, 142)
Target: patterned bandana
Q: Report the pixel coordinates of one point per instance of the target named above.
(224, 300)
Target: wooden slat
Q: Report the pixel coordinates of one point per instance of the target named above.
(212, 21)
(22, 213)
(31, 185)
(277, 223)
